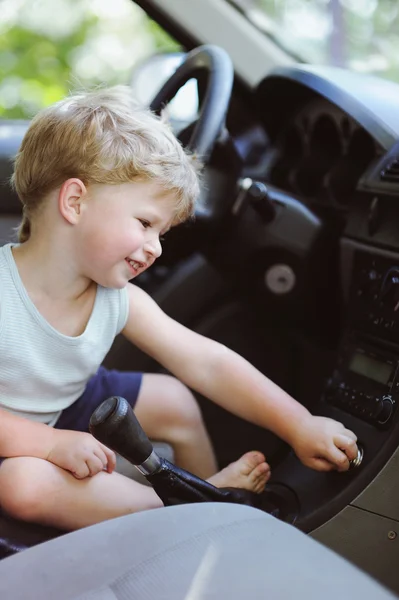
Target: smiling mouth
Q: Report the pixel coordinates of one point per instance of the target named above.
(135, 265)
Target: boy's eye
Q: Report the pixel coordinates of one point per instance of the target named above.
(145, 223)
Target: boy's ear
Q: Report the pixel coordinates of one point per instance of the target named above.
(70, 199)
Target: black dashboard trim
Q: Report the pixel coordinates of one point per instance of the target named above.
(305, 82)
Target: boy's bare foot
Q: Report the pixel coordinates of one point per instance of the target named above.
(250, 472)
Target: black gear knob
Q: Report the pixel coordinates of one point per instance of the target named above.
(114, 424)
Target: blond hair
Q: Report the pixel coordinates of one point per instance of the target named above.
(101, 137)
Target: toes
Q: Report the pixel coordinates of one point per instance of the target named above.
(259, 485)
(259, 477)
(260, 471)
(267, 475)
(250, 472)
(252, 459)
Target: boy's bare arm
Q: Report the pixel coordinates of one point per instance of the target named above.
(75, 451)
(229, 380)
(210, 368)
(22, 437)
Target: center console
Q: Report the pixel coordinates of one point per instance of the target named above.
(362, 391)
(365, 382)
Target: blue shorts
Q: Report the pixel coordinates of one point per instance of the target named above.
(102, 385)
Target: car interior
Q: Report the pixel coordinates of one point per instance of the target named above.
(292, 260)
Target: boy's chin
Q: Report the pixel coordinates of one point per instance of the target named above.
(113, 284)
(119, 285)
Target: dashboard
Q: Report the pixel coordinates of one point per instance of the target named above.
(333, 149)
(320, 155)
(326, 127)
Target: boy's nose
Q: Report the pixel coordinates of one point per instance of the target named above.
(153, 247)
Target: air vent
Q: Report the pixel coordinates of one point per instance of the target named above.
(391, 171)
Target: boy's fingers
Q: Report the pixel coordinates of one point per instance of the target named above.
(111, 458)
(94, 464)
(99, 452)
(82, 471)
(349, 434)
(347, 445)
(338, 458)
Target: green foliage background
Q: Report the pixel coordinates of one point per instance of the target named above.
(41, 66)
(39, 56)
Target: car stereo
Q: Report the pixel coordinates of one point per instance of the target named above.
(365, 382)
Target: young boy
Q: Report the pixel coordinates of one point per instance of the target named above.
(101, 181)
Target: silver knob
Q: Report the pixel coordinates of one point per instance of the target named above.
(356, 462)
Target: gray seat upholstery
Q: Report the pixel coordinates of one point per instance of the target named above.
(192, 552)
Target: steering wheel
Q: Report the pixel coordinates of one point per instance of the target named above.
(216, 65)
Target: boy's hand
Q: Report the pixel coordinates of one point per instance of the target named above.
(324, 444)
(80, 453)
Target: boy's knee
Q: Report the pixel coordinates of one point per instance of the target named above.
(167, 409)
(184, 404)
(20, 491)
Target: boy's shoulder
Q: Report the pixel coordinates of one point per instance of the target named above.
(5, 258)
(113, 302)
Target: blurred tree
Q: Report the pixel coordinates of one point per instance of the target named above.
(361, 35)
(48, 48)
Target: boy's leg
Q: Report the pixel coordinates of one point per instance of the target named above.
(35, 490)
(168, 412)
(166, 409)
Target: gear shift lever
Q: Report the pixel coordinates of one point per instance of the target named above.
(114, 424)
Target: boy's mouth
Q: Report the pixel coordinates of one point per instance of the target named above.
(135, 265)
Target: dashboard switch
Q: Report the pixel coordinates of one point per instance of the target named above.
(258, 195)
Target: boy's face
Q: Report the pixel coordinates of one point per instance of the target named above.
(119, 231)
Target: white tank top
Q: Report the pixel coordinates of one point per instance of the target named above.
(42, 371)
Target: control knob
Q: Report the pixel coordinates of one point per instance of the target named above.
(389, 293)
(385, 409)
(356, 462)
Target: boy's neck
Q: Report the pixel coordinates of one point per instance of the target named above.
(44, 270)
